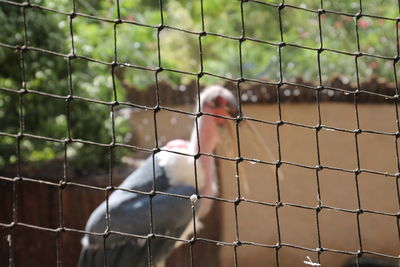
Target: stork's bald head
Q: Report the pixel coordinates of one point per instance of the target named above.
(218, 100)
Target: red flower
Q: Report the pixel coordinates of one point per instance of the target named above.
(304, 35)
(338, 24)
(363, 23)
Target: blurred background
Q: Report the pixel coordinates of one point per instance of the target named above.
(300, 66)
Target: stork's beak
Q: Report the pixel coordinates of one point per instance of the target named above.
(232, 148)
(258, 142)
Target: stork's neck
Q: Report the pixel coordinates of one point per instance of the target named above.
(207, 138)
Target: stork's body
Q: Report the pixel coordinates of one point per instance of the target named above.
(172, 173)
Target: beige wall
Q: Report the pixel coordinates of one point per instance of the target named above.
(338, 230)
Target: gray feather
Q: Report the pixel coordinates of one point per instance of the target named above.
(130, 213)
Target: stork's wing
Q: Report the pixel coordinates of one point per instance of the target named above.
(130, 214)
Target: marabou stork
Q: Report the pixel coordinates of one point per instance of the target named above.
(173, 173)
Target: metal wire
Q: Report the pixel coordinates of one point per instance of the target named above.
(239, 159)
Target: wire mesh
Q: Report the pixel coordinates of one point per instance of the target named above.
(317, 91)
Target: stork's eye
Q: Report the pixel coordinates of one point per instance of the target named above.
(220, 102)
(217, 102)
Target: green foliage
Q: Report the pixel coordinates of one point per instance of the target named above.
(143, 46)
(47, 116)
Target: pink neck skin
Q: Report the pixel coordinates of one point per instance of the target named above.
(208, 140)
